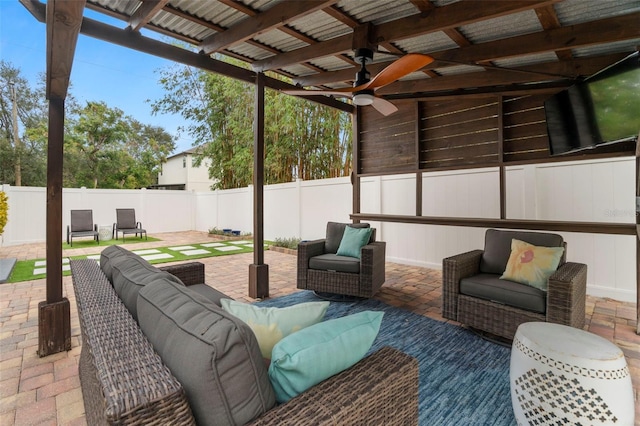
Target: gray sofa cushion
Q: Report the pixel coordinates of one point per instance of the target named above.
(333, 262)
(335, 231)
(497, 247)
(491, 287)
(107, 256)
(213, 354)
(130, 274)
(209, 292)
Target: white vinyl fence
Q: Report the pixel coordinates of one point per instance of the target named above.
(593, 191)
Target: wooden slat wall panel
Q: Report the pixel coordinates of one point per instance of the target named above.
(525, 129)
(458, 132)
(388, 144)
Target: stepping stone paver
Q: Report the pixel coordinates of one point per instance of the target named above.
(195, 252)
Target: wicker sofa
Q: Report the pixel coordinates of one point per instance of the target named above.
(473, 294)
(125, 381)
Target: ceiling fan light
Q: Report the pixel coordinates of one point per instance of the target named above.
(363, 99)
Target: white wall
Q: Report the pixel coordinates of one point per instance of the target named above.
(595, 191)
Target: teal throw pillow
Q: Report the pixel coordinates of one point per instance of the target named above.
(306, 358)
(353, 240)
(270, 325)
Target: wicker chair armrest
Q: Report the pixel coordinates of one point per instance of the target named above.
(372, 267)
(380, 389)
(306, 250)
(189, 273)
(454, 269)
(566, 295)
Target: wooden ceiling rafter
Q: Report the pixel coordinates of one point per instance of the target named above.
(549, 21)
(579, 35)
(441, 18)
(136, 41)
(277, 16)
(580, 67)
(145, 13)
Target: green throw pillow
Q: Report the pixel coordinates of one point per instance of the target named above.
(353, 240)
(306, 358)
(532, 265)
(270, 325)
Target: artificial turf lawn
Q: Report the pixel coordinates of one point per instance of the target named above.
(23, 269)
(88, 243)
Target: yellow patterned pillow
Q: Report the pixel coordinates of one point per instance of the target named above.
(270, 325)
(532, 265)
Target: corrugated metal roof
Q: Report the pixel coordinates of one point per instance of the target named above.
(376, 11)
(571, 12)
(320, 26)
(505, 26)
(527, 60)
(428, 43)
(323, 26)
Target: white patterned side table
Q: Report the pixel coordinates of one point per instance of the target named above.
(105, 232)
(564, 375)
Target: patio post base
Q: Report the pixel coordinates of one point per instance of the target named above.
(54, 327)
(258, 281)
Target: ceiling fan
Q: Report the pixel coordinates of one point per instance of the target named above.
(363, 91)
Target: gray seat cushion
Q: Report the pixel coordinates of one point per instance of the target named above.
(491, 287)
(497, 247)
(335, 231)
(108, 255)
(333, 262)
(213, 354)
(130, 274)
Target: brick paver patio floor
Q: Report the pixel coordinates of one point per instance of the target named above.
(46, 391)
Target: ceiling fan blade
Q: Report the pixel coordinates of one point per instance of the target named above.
(383, 106)
(409, 63)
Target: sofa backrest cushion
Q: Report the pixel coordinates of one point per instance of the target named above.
(107, 256)
(497, 247)
(335, 231)
(213, 354)
(130, 274)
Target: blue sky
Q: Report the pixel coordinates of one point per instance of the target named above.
(102, 71)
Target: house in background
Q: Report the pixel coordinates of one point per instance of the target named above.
(179, 172)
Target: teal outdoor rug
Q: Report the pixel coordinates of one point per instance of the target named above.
(464, 379)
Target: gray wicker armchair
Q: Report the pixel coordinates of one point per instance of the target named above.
(321, 270)
(473, 294)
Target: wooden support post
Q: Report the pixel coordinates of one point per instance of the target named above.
(54, 324)
(355, 161)
(258, 271)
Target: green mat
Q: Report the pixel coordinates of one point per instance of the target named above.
(36, 269)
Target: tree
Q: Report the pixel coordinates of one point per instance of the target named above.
(302, 139)
(106, 149)
(22, 109)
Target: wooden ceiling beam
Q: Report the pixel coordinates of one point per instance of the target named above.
(145, 13)
(573, 68)
(136, 41)
(64, 19)
(549, 20)
(580, 35)
(277, 16)
(441, 18)
(589, 33)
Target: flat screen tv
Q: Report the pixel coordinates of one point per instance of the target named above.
(605, 108)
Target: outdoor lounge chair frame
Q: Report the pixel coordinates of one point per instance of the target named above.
(82, 226)
(126, 223)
